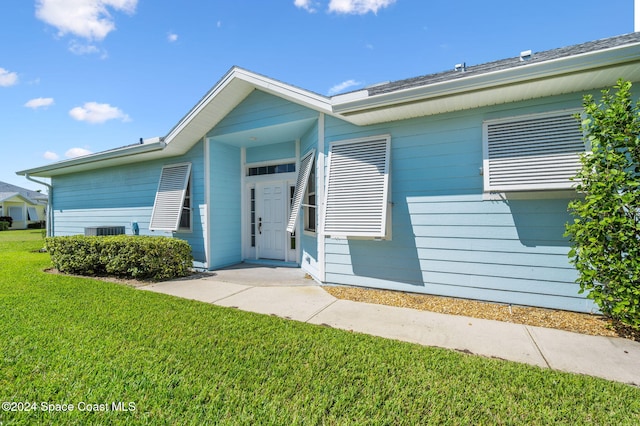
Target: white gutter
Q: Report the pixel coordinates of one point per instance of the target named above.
(49, 203)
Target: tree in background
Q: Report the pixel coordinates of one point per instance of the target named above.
(606, 229)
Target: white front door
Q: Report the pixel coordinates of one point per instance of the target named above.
(271, 202)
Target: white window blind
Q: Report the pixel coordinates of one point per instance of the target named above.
(167, 207)
(301, 186)
(358, 188)
(532, 152)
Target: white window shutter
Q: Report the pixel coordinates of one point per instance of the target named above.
(358, 188)
(33, 213)
(301, 186)
(532, 153)
(167, 207)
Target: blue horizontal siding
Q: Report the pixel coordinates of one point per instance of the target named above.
(446, 239)
(261, 109)
(119, 196)
(271, 152)
(486, 293)
(226, 242)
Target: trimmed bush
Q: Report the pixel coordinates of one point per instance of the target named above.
(4, 226)
(37, 225)
(124, 256)
(8, 219)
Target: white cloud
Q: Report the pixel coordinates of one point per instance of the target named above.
(39, 103)
(49, 155)
(93, 112)
(358, 7)
(172, 37)
(89, 19)
(343, 86)
(77, 152)
(307, 5)
(7, 78)
(80, 48)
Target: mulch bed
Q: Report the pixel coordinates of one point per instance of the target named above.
(591, 324)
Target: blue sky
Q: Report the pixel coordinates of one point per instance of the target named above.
(83, 76)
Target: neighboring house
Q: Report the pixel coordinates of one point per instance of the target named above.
(22, 205)
(452, 184)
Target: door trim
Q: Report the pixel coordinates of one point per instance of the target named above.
(251, 253)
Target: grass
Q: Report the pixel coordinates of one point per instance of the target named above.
(68, 340)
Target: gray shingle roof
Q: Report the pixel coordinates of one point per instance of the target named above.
(7, 188)
(502, 64)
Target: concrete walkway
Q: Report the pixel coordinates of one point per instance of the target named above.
(285, 292)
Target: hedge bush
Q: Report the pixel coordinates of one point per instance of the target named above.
(605, 232)
(7, 219)
(124, 256)
(4, 225)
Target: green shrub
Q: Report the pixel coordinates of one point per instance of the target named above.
(4, 226)
(152, 258)
(606, 230)
(37, 225)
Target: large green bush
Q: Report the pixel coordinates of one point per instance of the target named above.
(606, 229)
(140, 257)
(4, 225)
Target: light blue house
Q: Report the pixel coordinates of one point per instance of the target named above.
(452, 184)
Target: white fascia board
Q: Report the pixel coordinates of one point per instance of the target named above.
(115, 157)
(294, 94)
(206, 100)
(239, 83)
(519, 74)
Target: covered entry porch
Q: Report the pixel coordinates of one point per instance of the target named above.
(257, 154)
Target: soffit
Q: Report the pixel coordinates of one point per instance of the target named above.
(579, 72)
(439, 102)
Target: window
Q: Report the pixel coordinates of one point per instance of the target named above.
(271, 170)
(358, 188)
(16, 213)
(253, 216)
(171, 199)
(306, 166)
(310, 201)
(185, 215)
(532, 152)
(32, 214)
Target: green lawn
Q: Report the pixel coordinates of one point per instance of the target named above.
(66, 340)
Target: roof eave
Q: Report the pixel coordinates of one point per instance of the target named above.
(351, 108)
(114, 157)
(18, 195)
(236, 84)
